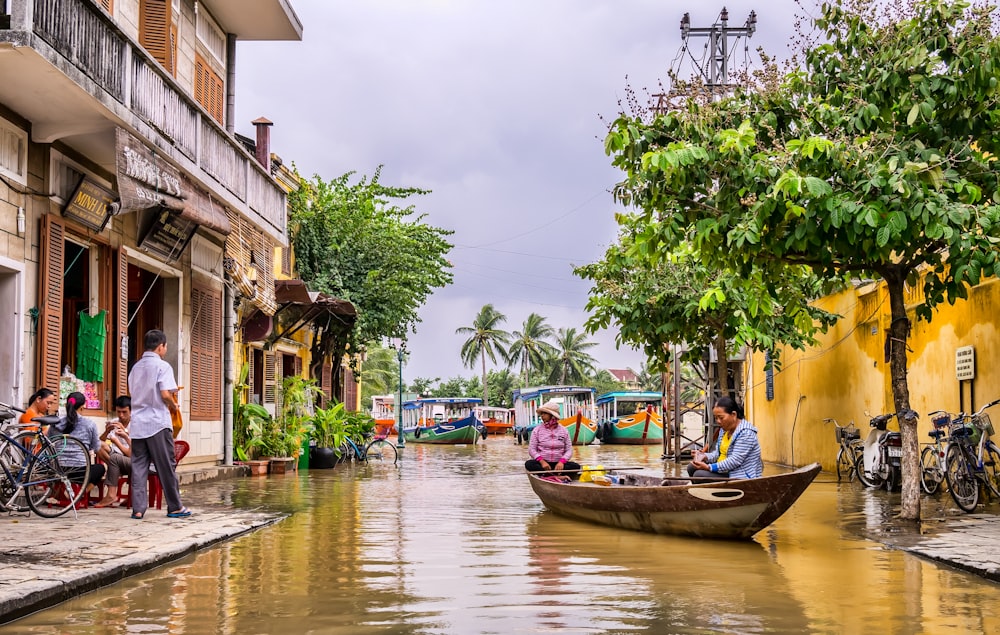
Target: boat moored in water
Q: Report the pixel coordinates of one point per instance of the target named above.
(630, 418)
(576, 408)
(442, 420)
(496, 420)
(733, 509)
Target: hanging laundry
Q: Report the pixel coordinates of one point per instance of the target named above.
(90, 346)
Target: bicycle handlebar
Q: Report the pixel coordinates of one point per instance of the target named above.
(10, 407)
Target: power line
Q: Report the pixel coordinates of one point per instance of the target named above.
(544, 225)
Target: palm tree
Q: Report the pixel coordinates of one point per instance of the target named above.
(379, 372)
(485, 339)
(529, 346)
(571, 362)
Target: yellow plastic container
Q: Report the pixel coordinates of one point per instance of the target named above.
(598, 471)
(585, 475)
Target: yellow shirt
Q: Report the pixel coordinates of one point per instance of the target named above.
(724, 446)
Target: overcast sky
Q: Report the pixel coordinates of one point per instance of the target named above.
(494, 106)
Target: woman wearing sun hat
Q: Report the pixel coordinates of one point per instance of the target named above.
(550, 447)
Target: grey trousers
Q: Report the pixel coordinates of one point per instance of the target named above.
(159, 449)
(117, 464)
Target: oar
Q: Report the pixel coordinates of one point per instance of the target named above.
(605, 469)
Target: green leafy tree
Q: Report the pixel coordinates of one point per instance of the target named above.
(571, 364)
(454, 387)
(423, 385)
(486, 339)
(659, 298)
(604, 382)
(874, 159)
(529, 347)
(353, 240)
(379, 373)
(648, 378)
(502, 385)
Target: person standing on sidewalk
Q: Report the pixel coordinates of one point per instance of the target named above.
(152, 386)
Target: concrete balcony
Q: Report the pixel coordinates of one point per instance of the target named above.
(76, 77)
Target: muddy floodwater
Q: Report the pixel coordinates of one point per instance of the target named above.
(454, 541)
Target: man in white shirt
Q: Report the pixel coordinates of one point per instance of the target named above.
(152, 386)
(116, 450)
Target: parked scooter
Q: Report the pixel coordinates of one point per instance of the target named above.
(880, 463)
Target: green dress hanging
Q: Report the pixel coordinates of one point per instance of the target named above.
(90, 347)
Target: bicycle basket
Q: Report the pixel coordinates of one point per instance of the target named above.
(847, 433)
(983, 423)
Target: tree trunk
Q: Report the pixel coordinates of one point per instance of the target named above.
(486, 391)
(896, 342)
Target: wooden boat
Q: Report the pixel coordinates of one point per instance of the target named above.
(384, 414)
(630, 418)
(442, 420)
(496, 420)
(735, 509)
(576, 405)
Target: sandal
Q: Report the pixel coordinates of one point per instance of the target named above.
(183, 512)
(138, 515)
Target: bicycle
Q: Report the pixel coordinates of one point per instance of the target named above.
(31, 477)
(849, 440)
(378, 449)
(972, 459)
(932, 457)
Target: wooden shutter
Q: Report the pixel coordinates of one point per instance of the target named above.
(286, 260)
(154, 30)
(121, 325)
(108, 5)
(298, 366)
(326, 382)
(50, 302)
(209, 89)
(206, 353)
(272, 377)
(350, 389)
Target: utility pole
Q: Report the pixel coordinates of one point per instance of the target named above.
(717, 75)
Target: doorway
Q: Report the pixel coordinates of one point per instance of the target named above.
(145, 309)
(10, 356)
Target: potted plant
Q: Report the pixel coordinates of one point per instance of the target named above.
(251, 428)
(328, 429)
(291, 422)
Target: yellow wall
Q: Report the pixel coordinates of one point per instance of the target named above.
(846, 376)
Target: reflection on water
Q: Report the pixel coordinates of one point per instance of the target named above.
(454, 541)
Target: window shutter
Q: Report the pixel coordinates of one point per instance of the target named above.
(326, 383)
(209, 89)
(121, 322)
(272, 377)
(350, 389)
(206, 354)
(155, 30)
(298, 366)
(286, 260)
(108, 5)
(50, 301)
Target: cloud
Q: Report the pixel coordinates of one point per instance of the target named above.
(496, 108)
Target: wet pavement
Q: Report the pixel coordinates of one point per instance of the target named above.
(44, 562)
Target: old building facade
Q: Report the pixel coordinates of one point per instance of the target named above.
(125, 199)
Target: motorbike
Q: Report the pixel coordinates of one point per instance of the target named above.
(880, 462)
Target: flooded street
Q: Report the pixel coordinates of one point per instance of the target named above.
(454, 541)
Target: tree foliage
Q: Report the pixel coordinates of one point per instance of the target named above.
(571, 363)
(529, 347)
(873, 159)
(486, 339)
(353, 240)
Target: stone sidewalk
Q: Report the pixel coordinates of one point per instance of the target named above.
(45, 561)
(970, 543)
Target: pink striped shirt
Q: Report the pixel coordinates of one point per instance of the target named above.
(550, 441)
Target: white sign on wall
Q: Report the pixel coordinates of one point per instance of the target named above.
(965, 363)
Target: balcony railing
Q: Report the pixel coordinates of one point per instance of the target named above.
(83, 34)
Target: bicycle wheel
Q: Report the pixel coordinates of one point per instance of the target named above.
(14, 456)
(872, 480)
(962, 484)
(931, 473)
(991, 467)
(381, 452)
(844, 464)
(50, 492)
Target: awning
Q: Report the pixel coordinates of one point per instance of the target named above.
(297, 307)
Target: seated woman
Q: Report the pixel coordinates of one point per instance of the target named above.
(86, 431)
(41, 403)
(737, 451)
(550, 447)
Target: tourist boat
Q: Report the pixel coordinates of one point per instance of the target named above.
(496, 420)
(576, 406)
(442, 420)
(630, 418)
(384, 414)
(735, 509)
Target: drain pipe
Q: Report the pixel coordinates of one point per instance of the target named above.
(229, 377)
(795, 420)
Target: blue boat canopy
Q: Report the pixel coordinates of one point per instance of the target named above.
(629, 396)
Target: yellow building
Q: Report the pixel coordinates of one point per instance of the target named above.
(846, 376)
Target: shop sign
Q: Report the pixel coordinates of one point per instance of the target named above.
(91, 205)
(145, 180)
(965, 363)
(168, 235)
